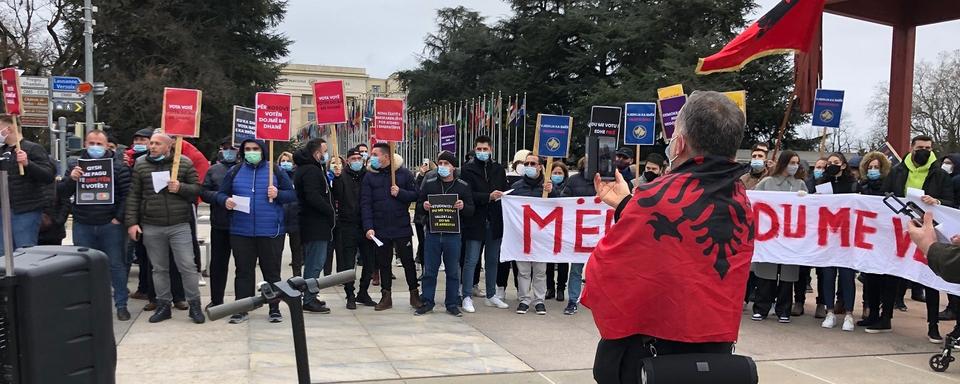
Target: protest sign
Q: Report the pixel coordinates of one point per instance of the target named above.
(670, 92)
(669, 109)
(640, 121)
(244, 125)
(827, 106)
(181, 112)
(444, 218)
(10, 80)
(273, 116)
(560, 230)
(604, 121)
(553, 135)
(739, 98)
(95, 185)
(388, 119)
(448, 138)
(330, 102)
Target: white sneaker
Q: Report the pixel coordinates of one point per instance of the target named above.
(501, 293)
(495, 302)
(830, 321)
(468, 305)
(848, 324)
(202, 282)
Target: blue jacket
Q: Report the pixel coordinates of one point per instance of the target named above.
(388, 216)
(266, 219)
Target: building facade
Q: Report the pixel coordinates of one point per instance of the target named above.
(298, 79)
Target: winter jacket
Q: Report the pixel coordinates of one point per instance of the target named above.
(435, 186)
(54, 217)
(39, 172)
(531, 187)
(219, 215)
(484, 177)
(99, 214)
(346, 195)
(842, 184)
(781, 184)
(291, 211)
(144, 206)
(750, 180)
(387, 215)
(937, 183)
(252, 180)
(944, 261)
(317, 217)
(577, 185)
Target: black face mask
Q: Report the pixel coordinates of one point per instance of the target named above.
(832, 170)
(921, 156)
(649, 176)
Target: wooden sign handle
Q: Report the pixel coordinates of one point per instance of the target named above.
(393, 171)
(270, 165)
(637, 176)
(335, 159)
(16, 129)
(175, 169)
(547, 171)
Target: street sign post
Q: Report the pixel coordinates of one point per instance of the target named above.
(65, 84)
(35, 93)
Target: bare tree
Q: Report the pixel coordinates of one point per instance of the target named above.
(33, 35)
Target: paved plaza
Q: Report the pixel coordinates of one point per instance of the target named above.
(489, 346)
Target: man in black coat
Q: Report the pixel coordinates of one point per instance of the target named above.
(100, 226)
(27, 199)
(487, 180)
(219, 220)
(348, 234)
(317, 216)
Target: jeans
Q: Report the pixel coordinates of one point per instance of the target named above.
(108, 238)
(160, 241)
(247, 251)
(404, 248)
(447, 247)
(535, 273)
(575, 284)
(314, 258)
(146, 275)
(491, 259)
(219, 263)
(847, 288)
(26, 229)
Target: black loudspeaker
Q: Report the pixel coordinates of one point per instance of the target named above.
(56, 321)
(699, 368)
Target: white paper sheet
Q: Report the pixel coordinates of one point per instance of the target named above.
(377, 241)
(825, 189)
(160, 180)
(243, 203)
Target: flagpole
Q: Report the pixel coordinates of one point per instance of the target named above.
(524, 109)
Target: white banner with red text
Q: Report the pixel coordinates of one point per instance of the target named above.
(853, 231)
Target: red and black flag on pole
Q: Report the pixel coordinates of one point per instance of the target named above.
(788, 27)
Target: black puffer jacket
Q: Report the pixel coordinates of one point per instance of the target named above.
(937, 184)
(144, 206)
(577, 185)
(484, 177)
(219, 215)
(317, 217)
(291, 211)
(346, 195)
(531, 187)
(99, 214)
(434, 186)
(25, 190)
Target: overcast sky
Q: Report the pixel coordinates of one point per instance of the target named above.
(384, 36)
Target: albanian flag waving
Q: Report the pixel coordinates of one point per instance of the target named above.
(788, 27)
(674, 265)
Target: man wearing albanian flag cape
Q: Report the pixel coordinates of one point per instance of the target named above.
(669, 275)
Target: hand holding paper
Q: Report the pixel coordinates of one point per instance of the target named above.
(160, 180)
(242, 203)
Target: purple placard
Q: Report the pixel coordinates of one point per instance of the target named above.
(448, 138)
(669, 109)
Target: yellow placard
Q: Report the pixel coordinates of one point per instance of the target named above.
(739, 98)
(671, 91)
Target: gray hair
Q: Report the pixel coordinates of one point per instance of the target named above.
(712, 124)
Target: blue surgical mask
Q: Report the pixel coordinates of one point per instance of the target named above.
(253, 157)
(817, 173)
(757, 165)
(375, 162)
(556, 179)
(530, 172)
(286, 166)
(96, 151)
(139, 148)
(158, 158)
(356, 166)
(443, 171)
(483, 156)
(326, 157)
(873, 174)
(229, 155)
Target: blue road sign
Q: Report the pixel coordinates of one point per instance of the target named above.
(65, 84)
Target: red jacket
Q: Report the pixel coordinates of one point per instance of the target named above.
(675, 264)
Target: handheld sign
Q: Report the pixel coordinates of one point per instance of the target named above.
(244, 125)
(604, 121)
(330, 103)
(444, 218)
(669, 109)
(273, 116)
(95, 185)
(669, 92)
(388, 119)
(827, 106)
(181, 112)
(10, 81)
(739, 98)
(640, 122)
(552, 140)
(448, 138)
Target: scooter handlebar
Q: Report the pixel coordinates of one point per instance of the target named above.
(243, 305)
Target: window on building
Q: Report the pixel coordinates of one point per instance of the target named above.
(375, 89)
(311, 116)
(306, 99)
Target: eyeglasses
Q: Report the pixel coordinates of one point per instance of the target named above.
(531, 164)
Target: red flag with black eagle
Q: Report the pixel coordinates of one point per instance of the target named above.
(788, 27)
(675, 264)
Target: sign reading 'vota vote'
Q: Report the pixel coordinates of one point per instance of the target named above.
(244, 124)
(448, 138)
(827, 106)
(639, 123)
(604, 121)
(553, 132)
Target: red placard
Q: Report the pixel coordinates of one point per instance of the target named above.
(11, 90)
(181, 112)
(273, 116)
(330, 103)
(388, 119)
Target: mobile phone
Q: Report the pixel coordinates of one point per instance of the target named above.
(426, 161)
(601, 151)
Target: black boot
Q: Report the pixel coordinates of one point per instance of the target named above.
(550, 293)
(365, 299)
(196, 313)
(161, 313)
(351, 301)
